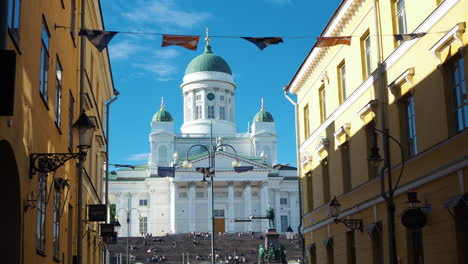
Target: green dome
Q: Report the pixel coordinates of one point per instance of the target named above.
(263, 116)
(162, 116)
(208, 61)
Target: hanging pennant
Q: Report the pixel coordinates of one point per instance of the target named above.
(332, 41)
(188, 42)
(262, 43)
(99, 38)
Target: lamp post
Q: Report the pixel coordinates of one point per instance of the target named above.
(375, 160)
(353, 224)
(50, 162)
(118, 226)
(210, 172)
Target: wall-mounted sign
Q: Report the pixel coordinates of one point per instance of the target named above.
(97, 212)
(107, 230)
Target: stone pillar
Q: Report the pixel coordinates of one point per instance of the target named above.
(174, 197)
(134, 216)
(278, 210)
(248, 205)
(210, 212)
(192, 209)
(230, 215)
(264, 202)
(194, 108)
(152, 217)
(293, 212)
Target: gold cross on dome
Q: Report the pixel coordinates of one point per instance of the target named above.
(207, 38)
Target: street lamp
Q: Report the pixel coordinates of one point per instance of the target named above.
(118, 226)
(50, 162)
(289, 233)
(210, 172)
(353, 224)
(375, 160)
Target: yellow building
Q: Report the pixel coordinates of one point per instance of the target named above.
(415, 88)
(40, 103)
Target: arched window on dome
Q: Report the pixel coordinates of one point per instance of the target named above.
(162, 154)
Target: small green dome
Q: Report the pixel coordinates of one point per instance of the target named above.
(208, 61)
(162, 115)
(263, 116)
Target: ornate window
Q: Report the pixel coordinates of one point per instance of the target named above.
(459, 97)
(41, 212)
(58, 93)
(409, 125)
(400, 16)
(44, 78)
(144, 224)
(14, 8)
(323, 107)
(210, 111)
(366, 55)
(342, 81)
(222, 113)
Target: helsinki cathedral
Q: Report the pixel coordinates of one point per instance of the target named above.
(170, 194)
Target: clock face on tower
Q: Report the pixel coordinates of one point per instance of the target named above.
(210, 96)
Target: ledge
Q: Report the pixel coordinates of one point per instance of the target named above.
(454, 34)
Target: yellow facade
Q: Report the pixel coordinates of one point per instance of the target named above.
(408, 87)
(34, 127)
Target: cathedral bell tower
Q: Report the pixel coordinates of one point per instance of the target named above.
(208, 88)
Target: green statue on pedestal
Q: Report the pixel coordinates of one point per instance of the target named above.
(270, 215)
(272, 255)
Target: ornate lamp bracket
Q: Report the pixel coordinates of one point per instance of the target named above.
(353, 224)
(49, 162)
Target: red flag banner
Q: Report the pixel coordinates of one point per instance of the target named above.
(189, 42)
(332, 41)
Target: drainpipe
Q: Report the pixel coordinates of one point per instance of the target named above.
(108, 103)
(382, 97)
(299, 185)
(79, 235)
(3, 24)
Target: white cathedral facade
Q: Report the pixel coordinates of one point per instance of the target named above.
(183, 203)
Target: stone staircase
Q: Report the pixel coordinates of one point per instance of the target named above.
(227, 245)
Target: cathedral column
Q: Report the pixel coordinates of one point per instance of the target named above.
(210, 212)
(174, 197)
(248, 205)
(264, 202)
(152, 211)
(194, 108)
(293, 216)
(134, 215)
(192, 209)
(278, 210)
(230, 215)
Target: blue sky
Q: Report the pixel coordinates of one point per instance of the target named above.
(144, 71)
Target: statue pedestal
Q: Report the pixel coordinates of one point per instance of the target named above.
(272, 237)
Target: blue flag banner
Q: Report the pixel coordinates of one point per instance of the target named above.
(401, 37)
(243, 169)
(100, 39)
(262, 43)
(166, 172)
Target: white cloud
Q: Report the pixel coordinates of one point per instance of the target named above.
(138, 157)
(166, 53)
(161, 69)
(123, 50)
(165, 13)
